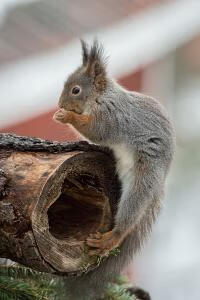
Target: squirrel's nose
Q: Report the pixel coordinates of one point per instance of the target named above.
(60, 102)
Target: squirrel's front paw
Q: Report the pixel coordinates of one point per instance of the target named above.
(62, 116)
(59, 115)
(103, 243)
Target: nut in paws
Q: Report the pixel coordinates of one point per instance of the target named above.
(60, 115)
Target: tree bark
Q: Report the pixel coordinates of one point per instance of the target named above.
(52, 196)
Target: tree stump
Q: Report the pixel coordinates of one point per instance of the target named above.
(52, 196)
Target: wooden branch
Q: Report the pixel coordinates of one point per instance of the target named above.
(52, 196)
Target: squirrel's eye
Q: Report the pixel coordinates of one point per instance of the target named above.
(76, 90)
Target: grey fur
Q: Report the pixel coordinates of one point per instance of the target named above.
(141, 127)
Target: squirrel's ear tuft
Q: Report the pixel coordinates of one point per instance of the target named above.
(97, 61)
(85, 52)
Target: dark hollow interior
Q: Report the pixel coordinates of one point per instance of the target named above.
(76, 213)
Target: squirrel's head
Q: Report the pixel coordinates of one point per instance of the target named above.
(83, 87)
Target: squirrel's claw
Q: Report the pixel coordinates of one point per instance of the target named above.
(103, 242)
(96, 235)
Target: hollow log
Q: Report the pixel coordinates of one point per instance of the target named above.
(52, 196)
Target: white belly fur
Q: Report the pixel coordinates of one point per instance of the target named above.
(125, 164)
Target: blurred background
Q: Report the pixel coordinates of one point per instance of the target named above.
(154, 48)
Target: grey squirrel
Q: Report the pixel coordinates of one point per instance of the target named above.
(138, 131)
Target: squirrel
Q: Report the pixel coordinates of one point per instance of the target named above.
(137, 129)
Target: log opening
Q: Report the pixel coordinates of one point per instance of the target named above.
(76, 212)
(74, 201)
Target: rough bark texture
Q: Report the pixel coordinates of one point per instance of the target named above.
(52, 195)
